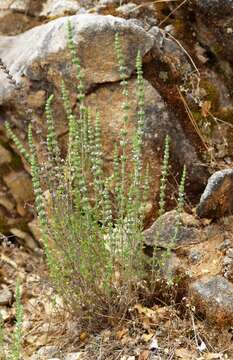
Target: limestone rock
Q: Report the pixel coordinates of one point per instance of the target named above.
(46, 56)
(20, 186)
(213, 297)
(46, 352)
(161, 233)
(217, 199)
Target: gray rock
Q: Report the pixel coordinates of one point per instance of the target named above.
(230, 253)
(224, 245)
(5, 296)
(195, 256)
(213, 297)
(217, 199)
(47, 352)
(161, 233)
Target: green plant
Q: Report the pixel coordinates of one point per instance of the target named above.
(159, 263)
(2, 350)
(179, 210)
(91, 223)
(15, 351)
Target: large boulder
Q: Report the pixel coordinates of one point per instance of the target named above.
(46, 58)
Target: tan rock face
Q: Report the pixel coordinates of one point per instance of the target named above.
(108, 101)
(159, 122)
(37, 99)
(20, 186)
(5, 156)
(25, 238)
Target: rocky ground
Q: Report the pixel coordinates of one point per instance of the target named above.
(187, 62)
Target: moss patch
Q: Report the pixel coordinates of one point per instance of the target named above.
(212, 93)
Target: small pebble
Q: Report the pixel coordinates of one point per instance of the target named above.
(74, 356)
(229, 253)
(195, 256)
(227, 261)
(224, 245)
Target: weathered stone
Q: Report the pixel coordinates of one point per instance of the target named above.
(214, 25)
(28, 241)
(230, 253)
(169, 52)
(5, 156)
(37, 100)
(227, 261)
(47, 352)
(162, 232)
(159, 122)
(6, 202)
(20, 186)
(19, 5)
(34, 227)
(5, 296)
(217, 199)
(60, 7)
(195, 256)
(128, 10)
(172, 266)
(46, 55)
(224, 245)
(13, 22)
(213, 297)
